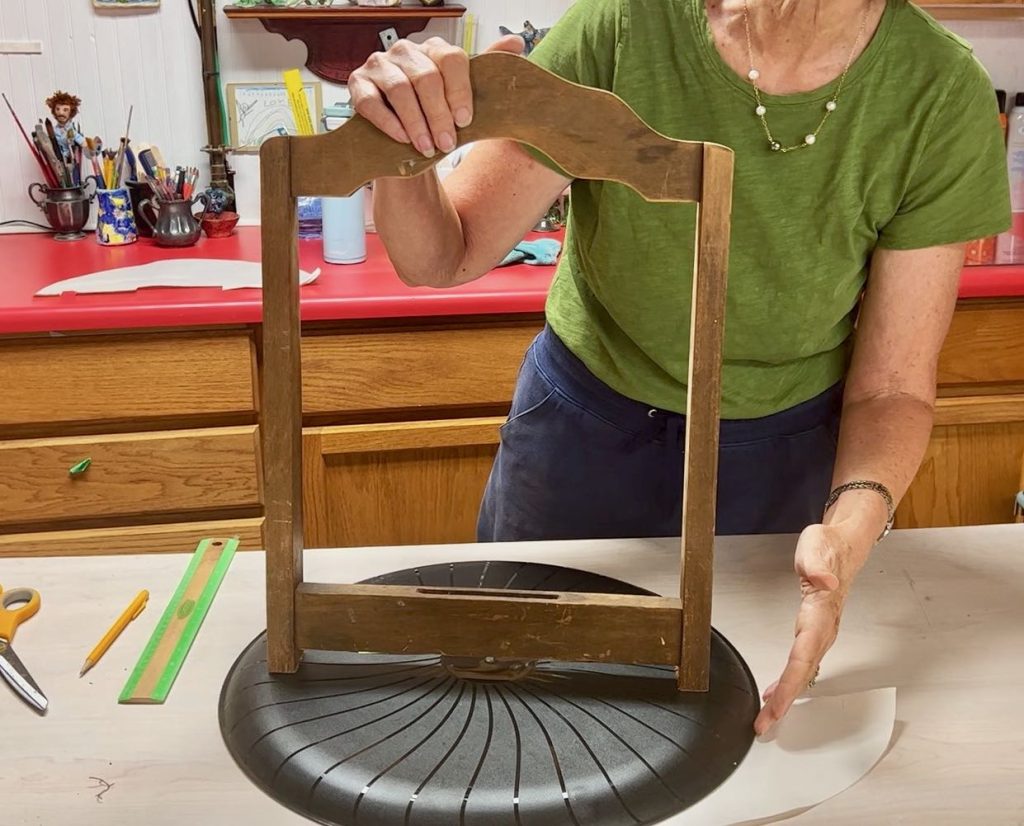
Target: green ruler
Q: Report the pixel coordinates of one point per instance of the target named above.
(164, 654)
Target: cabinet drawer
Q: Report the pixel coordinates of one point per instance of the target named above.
(413, 369)
(401, 483)
(175, 538)
(137, 474)
(125, 379)
(985, 344)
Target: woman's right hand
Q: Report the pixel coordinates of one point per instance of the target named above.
(419, 93)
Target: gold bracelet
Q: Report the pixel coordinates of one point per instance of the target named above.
(878, 488)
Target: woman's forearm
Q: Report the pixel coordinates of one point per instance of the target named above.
(420, 229)
(882, 439)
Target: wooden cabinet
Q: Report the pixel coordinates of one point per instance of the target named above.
(129, 475)
(175, 537)
(401, 427)
(368, 372)
(403, 483)
(425, 401)
(970, 472)
(95, 383)
(168, 422)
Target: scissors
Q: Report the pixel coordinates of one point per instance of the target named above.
(11, 668)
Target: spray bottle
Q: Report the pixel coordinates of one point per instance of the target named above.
(1010, 245)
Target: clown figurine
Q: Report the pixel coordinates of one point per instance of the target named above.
(64, 108)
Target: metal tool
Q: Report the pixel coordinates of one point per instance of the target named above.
(11, 667)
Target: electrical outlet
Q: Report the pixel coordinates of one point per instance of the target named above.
(388, 38)
(21, 47)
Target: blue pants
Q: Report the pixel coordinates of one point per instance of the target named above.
(577, 460)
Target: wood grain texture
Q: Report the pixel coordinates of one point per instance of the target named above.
(130, 474)
(985, 344)
(969, 476)
(700, 474)
(592, 134)
(1008, 407)
(603, 139)
(125, 378)
(338, 39)
(400, 436)
(315, 501)
(281, 406)
(413, 369)
(571, 627)
(409, 483)
(175, 538)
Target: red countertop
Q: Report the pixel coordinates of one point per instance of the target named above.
(362, 291)
(30, 261)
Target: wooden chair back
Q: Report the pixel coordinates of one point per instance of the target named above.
(591, 134)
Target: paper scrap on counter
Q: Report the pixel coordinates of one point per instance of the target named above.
(184, 272)
(823, 746)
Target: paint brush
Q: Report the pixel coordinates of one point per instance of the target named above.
(148, 162)
(119, 160)
(46, 147)
(92, 150)
(156, 154)
(47, 172)
(57, 153)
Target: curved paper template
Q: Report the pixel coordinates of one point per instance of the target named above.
(822, 747)
(184, 272)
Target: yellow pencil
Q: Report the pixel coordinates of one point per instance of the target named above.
(130, 613)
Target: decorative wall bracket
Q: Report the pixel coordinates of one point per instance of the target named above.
(339, 38)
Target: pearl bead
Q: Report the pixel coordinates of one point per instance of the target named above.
(831, 106)
(776, 146)
(753, 74)
(809, 139)
(760, 110)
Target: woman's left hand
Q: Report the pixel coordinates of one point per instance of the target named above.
(822, 554)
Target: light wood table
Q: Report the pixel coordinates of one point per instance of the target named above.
(938, 613)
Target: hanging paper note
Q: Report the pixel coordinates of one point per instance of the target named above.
(298, 103)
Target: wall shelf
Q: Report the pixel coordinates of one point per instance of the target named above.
(339, 38)
(967, 10)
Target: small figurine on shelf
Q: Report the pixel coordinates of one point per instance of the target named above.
(218, 199)
(531, 35)
(64, 108)
(219, 220)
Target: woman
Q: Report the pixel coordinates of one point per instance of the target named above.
(867, 154)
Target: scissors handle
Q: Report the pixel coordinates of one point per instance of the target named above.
(10, 619)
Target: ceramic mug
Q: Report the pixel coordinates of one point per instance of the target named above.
(138, 192)
(115, 221)
(175, 225)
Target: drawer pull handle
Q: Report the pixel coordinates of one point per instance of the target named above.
(79, 468)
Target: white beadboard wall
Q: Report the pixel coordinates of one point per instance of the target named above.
(150, 58)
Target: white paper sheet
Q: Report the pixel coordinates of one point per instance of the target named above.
(823, 746)
(183, 272)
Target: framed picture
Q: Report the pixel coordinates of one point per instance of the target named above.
(257, 111)
(126, 4)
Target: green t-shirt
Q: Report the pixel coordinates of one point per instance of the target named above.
(912, 157)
